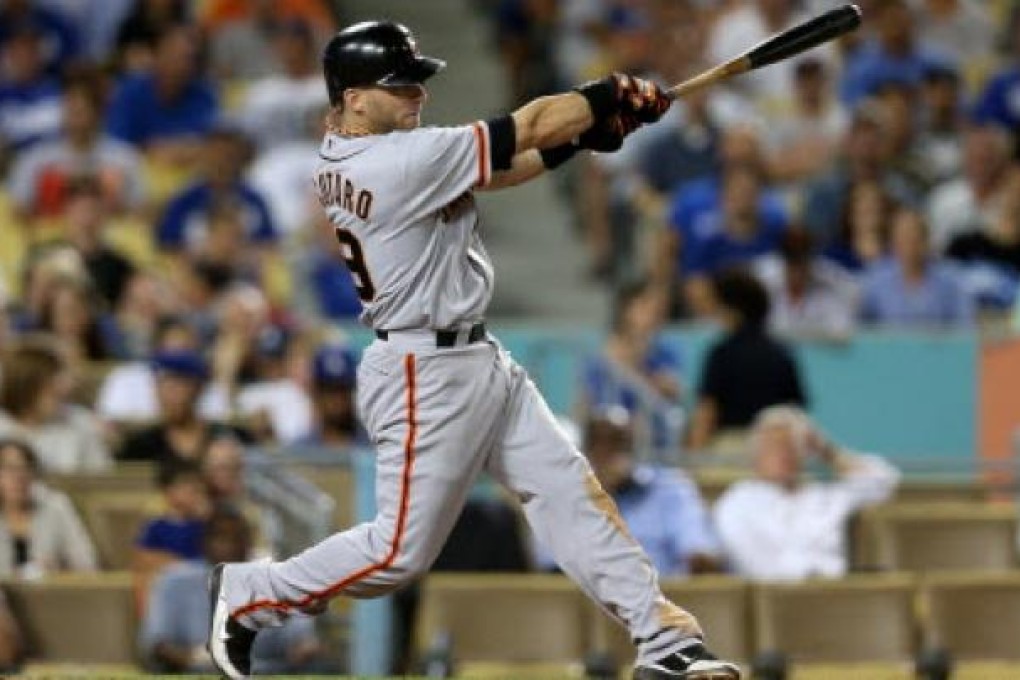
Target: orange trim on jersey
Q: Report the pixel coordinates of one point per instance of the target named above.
(481, 138)
(405, 502)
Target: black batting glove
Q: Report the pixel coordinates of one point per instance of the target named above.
(607, 135)
(645, 100)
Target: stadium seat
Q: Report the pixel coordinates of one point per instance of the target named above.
(722, 605)
(973, 616)
(114, 521)
(84, 618)
(859, 618)
(934, 536)
(503, 618)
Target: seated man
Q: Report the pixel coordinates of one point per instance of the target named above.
(776, 527)
(661, 507)
(176, 621)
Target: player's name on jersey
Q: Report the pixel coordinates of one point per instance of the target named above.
(334, 190)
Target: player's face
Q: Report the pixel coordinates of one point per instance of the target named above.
(396, 108)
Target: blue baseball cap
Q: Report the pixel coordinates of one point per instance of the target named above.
(334, 366)
(180, 363)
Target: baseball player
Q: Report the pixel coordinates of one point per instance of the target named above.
(439, 397)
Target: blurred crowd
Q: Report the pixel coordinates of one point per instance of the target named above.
(873, 180)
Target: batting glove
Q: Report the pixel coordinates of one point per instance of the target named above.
(645, 100)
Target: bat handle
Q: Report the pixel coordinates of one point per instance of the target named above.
(713, 75)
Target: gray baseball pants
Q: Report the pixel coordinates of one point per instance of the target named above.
(437, 418)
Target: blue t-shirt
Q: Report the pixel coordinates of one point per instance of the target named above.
(136, 114)
(696, 215)
(59, 37)
(870, 67)
(30, 112)
(939, 300)
(999, 103)
(179, 537)
(604, 387)
(334, 288)
(184, 220)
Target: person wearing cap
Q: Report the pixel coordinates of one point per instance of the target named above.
(181, 433)
(29, 98)
(334, 414)
(273, 399)
(661, 507)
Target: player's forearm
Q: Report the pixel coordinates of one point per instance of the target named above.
(526, 165)
(551, 121)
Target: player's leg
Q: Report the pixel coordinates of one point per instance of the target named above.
(432, 420)
(572, 515)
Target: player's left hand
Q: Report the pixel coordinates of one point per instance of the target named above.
(643, 99)
(607, 135)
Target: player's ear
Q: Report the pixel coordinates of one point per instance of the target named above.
(354, 100)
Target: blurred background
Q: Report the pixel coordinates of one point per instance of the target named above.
(782, 323)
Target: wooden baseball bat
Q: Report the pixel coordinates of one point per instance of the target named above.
(800, 38)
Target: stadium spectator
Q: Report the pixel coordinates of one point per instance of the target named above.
(58, 36)
(809, 297)
(140, 30)
(334, 415)
(273, 402)
(739, 231)
(997, 104)
(176, 534)
(661, 507)
(803, 136)
(40, 532)
(97, 31)
(973, 199)
(862, 159)
(72, 315)
(896, 53)
(244, 30)
(176, 621)
(942, 125)
(29, 97)
(777, 527)
(911, 288)
(185, 222)
(42, 267)
(42, 180)
(147, 297)
(696, 210)
(525, 35)
(223, 468)
(167, 110)
(636, 368)
(333, 293)
(964, 29)
(989, 255)
(746, 370)
(222, 247)
(900, 104)
(34, 406)
(182, 432)
(749, 23)
(863, 235)
(85, 220)
(281, 108)
(129, 394)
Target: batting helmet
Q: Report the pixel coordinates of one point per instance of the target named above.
(375, 53)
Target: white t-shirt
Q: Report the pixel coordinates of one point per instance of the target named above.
(289, 408)
(282, 109)
(128, 394)
(771, 534)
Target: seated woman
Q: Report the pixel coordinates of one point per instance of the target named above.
(40, 531)
(35, 406)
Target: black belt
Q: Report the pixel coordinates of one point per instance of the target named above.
(448, 338)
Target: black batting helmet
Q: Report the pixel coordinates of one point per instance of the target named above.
(375, 53)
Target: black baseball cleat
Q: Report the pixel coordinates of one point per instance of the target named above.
(229, 642)
(690, 663)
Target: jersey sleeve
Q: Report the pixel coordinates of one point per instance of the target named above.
(442, 163)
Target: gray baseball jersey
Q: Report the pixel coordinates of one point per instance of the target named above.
(438, 416)
(405, 216)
